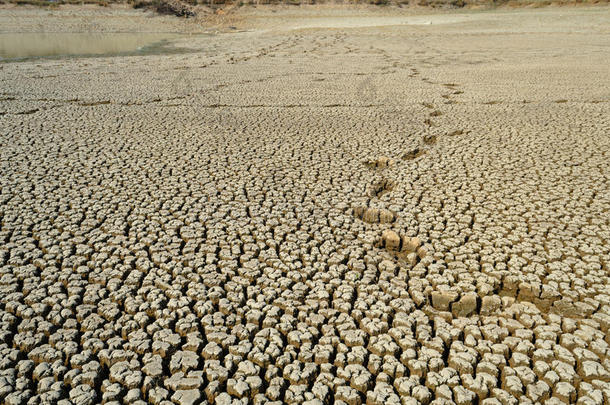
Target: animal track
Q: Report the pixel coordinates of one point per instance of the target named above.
(430, 139)
(96, 103)
(380, 163)
(456, 132)
(414, 154)
(406, 248)
(381, 187)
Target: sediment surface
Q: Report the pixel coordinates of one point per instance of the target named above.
(353, 210)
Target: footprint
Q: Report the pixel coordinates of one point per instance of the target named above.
(94, 103)
(404, 247)
(414, 154)
(430, 139)
(28, 112)
(374, 215)
(456, 132)
(380, 163)
(436, 113)
(382, 186)
(428, 122)
(428, 105)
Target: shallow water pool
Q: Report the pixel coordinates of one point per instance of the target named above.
(29, 45)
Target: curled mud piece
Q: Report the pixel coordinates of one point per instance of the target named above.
(414, 154)
(380, 163)
(374, 215)
(382, 186)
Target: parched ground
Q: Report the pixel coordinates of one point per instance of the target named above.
(348, 209)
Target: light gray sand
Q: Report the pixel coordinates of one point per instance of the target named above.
(240, 222)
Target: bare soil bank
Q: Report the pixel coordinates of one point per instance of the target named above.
(191, 8)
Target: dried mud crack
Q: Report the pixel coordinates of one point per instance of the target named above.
(348, 214)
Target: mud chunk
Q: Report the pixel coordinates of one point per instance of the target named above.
(411, 258)
(410, 244)
(382, 394)
(212, 351)
(186, 397)
(153, 366)
(390, 240)
(180, 381)
(157, 395)
(490, 304)
(422, 252)
(183, 360)
(442, 300)
(348, 395)
(238, 388)
(83, 394)
(592, 370)
(463, 396)
(467, 305)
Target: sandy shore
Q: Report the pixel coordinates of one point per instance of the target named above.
(324, 205)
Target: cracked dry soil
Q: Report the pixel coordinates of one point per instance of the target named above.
(380, 215)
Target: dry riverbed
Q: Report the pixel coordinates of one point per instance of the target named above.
(317, 205)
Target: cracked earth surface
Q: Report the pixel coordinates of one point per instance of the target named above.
(380, 215)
